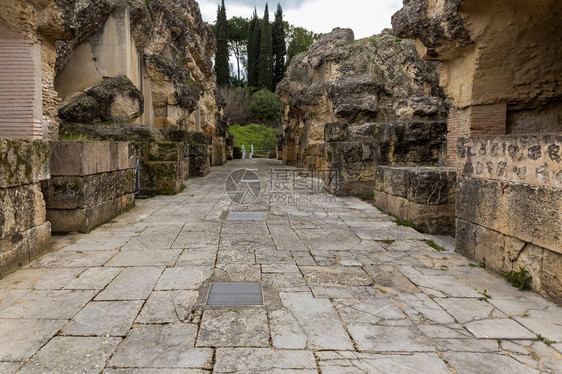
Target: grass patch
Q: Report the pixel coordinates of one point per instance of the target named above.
(519, 279)
(368, 197)
(387, 241)
(262, 137)
(435, 246)
(404, 222)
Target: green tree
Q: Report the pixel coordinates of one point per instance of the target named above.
(266, 106)
(300, 40)
(254, 42)
(265, 78)
(279, 47)
(222, 68)
(238, 39)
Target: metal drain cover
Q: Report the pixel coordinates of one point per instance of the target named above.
(245, 216)
(235, 294)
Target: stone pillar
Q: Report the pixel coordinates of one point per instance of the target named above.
(21, 103)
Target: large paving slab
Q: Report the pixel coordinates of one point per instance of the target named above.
(167, 346)
(346, 290)
(234, 328)
(69, 355)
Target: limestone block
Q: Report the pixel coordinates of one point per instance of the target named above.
(531, 259)
(21, 208)
(391, 180)
(103, 157)
(336, 132)
(84, 219)
(69, 192)
(23, 162)
(18, 249)
(432, 219)
(481, 244)
(14, 252)
(551, 276)
(39, 240)
(119, 155)
(530, 213)
(73, 158)
(162, 177)
(166, 152)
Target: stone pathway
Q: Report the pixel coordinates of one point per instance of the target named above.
(346, 291)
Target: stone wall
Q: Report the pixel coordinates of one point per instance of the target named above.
(24, 231)
(501, 71)
(509, 206)
(91, 183)
(424, 196)
(355, 152)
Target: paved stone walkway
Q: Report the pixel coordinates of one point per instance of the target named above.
(346, 291)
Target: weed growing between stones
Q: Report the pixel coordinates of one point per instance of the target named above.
(520, 279)
(486, 294)
(478, 264)
(545, 340)
(404, 222)
(435, 246)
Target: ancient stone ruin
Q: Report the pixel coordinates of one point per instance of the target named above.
(500, 68)
(106, 97)
(457, 132)
(372, 111)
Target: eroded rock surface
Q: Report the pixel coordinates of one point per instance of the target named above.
(377, 79)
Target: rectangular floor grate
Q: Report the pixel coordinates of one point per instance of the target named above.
(235, 294)
(245, 216)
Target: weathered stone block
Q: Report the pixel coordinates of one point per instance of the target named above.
(69, 192)
(551, 275)
(18, 249)
(39, 240)
(23, 162)
(218, 153)
(481, 244)
(84, 219)
(73, 158)
(14, 252)
(87, 158)
(163, 177)
(336, 132)
(21, 208)
(530, 213)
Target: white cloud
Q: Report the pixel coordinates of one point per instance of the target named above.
(365, 17)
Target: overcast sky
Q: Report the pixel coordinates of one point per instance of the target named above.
(365, 17)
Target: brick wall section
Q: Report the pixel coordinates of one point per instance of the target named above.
(477, 120)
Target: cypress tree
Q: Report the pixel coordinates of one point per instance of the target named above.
(265, 78)
(279, 47)
(254, 37)
(222, 67)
